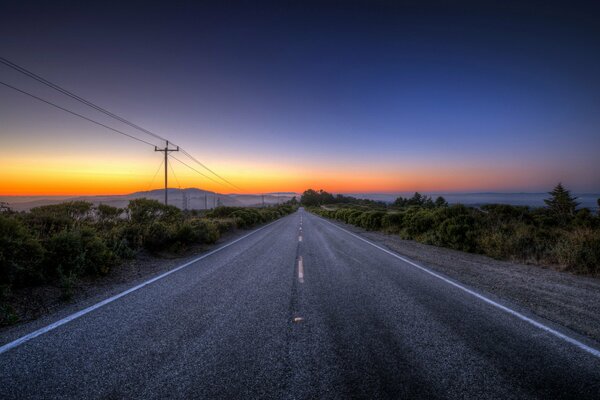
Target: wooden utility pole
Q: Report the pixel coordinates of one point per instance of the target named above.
(167, 150)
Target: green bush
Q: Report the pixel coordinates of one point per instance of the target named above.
(205, 231)
(145, 212)
(158, 236)
(75, 253)
(393, 222)
(21, 255)
(456, 233)
(579, 251)
(418, 222)
(371, 220)
(225, 224)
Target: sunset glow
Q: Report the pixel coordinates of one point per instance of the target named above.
(375, 102)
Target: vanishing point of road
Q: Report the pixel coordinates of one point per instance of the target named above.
(300, 309)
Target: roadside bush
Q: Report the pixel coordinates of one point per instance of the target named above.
(517, 241)
(117, 241)
(21, 255)
(354, 217)
(225, 224)
(145, 212)
(579, 251)
(75, 253)
(371, 220)
(158, 236)
(64, 255)
(393, 222)
(205, 231)
(418, 222)
(457, 233)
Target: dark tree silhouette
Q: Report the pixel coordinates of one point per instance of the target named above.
(561, 204)
(441, 202)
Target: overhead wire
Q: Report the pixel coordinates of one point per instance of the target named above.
(176, 180)
(195, 170)
(72, 95)
(205, 167)
(76, 114)
(76, 97)
(156, 173)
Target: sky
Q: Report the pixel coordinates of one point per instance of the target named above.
(346, 96)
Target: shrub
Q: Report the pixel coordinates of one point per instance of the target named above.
(21, 255)
(117, 241)
(457, 233)
(205, 231)
(354, 217)
(145, 211)
(75, 253)
(64, 254)
(158, 236)
(371, 220)
(579, 251)
(392, 222)
(225, 224)
(419, 222)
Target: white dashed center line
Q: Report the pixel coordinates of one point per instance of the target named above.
(300, 270)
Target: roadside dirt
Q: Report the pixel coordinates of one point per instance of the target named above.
(572, 301)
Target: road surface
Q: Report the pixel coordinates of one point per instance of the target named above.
(301, 309)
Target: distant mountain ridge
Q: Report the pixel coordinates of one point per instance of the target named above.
(189, 198)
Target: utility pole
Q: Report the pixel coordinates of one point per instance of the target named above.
(167, 150)
(205, 202)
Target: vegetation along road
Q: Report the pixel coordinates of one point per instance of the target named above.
(301, 308)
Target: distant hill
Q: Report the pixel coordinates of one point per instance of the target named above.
(190, 198)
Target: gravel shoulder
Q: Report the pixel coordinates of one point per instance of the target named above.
(572, 301)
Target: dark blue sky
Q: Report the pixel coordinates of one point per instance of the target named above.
(423, 95)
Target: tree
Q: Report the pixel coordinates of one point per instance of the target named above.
(441, 202)
(561, 203)
(310, 198)
(400, 201)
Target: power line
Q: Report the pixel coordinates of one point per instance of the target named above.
(76, 114)
(72, 95)
(205, 167)
(195, 170)
(176, 179)
(76, 97)
(156, 173)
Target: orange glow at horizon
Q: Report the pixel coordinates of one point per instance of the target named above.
(72, 177)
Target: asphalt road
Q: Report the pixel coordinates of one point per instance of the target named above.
(251, 321)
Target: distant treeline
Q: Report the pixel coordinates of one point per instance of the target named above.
(59, 243)
(559, 234)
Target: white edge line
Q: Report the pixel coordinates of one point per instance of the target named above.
(517, 314)
(91, 308)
